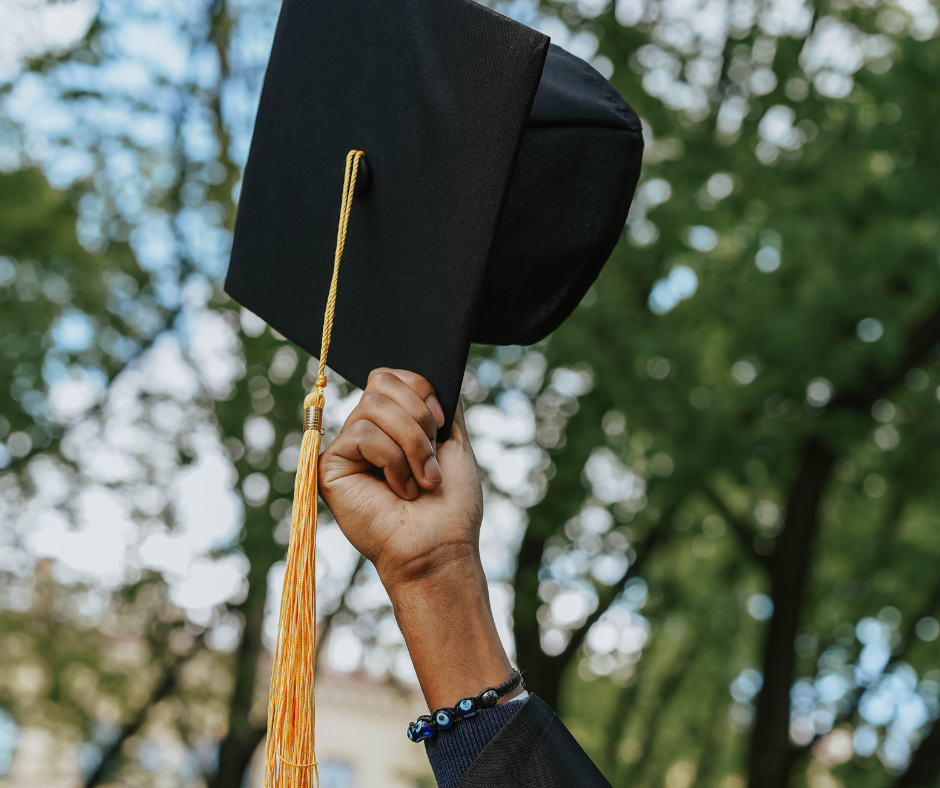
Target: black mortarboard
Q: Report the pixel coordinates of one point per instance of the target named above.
(500, 171)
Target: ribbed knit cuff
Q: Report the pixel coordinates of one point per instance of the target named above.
(452, 751)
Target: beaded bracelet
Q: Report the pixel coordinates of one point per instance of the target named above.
(427, 725)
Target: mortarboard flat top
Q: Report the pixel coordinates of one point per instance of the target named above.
(485, 219)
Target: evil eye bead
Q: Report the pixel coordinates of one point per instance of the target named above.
(466, 708)
(443, 719)
(412, 735)
(423, 730)
(488, 698)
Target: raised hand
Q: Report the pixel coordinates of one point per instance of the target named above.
(413, 507)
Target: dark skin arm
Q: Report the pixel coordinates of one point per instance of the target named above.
(414, 508)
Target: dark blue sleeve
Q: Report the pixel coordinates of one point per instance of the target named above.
(452, 751)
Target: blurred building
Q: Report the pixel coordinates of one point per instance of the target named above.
(361, 743)
(361, 740)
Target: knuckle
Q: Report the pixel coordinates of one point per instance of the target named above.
(417, 443)
(420, 386)
(414, 381)
(399, 465)
(427, 390)
(361, 429)
(426, 420)
(394, 464)
(324, 480)
(380, 376)
(373, 400)
(324, 462)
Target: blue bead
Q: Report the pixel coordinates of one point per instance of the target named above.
(443, 719)
(466, 708)
(411, 733)
(424, 730)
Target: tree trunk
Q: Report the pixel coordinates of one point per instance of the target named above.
(566, 494)
(542, 672)
(165, 687)
(244, 731)
(771, 755)
(924, 771)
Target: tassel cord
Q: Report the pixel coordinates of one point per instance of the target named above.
(290, 746)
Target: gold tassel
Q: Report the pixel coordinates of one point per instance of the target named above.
(289, 750)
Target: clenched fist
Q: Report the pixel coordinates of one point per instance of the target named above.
(407, 504)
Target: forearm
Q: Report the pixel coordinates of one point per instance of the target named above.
(446, 620)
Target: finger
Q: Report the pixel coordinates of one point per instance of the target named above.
(422, 389)
(401, 427)
(388, 382)
(364, 441)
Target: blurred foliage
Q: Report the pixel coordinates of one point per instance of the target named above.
(757, 402)
(728, 571)
(44, 272)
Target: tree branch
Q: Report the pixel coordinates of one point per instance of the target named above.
(327, 624)
(162, 691)
(930, 606)
(669, 690)
(653, 539)
(742, 531)
(617, 724)
(919, 346)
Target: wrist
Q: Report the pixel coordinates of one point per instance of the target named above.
(431, 569)
(448, 627)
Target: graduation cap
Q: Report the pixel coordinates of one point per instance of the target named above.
(497, 177)
(497, 174)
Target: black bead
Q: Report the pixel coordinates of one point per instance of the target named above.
(488, 698)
